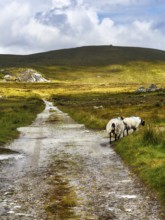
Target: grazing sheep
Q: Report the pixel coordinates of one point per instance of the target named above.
(133, 123)
(115, 127)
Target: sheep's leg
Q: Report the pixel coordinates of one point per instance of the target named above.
(110, 138)
(115, 137)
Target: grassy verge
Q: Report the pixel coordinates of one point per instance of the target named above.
(16, 112)
(143, 150)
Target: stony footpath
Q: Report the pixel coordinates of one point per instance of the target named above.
(104, 187)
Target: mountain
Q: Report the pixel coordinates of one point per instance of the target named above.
(84, 56)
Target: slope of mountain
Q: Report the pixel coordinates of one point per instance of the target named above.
(84, 56)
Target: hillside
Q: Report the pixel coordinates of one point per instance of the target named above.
(84, 56)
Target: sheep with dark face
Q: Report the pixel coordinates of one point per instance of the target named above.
(133, 123)
(116, 128)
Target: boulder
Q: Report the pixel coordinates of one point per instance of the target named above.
(152, 88)
(141, 89)
(27, 75)
(30, 75)
(8, 77)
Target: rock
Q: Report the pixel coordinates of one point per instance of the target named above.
(27, 75)
(8, 77)
(98, 107)
(152, 88)
(141, 89)
(30, 75)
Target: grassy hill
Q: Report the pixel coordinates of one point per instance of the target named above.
(102, 67)
(84, 56)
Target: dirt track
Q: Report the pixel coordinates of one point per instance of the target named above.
(104, 187)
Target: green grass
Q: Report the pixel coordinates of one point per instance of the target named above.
(16, 112)
(144, 152)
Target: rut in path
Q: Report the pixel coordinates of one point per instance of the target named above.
(104, 187)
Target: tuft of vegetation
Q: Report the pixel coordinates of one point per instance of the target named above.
(61, 199)
(153, 136)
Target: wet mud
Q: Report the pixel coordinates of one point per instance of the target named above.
(64, 171)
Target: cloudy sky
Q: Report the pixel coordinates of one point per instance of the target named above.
(31, 26)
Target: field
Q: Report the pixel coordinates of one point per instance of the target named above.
(93, 92)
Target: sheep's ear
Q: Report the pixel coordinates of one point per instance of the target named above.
(122, 117)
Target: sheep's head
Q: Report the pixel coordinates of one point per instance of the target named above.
(113, 128)
(142, 122)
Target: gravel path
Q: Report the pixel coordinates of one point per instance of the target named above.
(105, 189)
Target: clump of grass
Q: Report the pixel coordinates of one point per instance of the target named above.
(153, 136)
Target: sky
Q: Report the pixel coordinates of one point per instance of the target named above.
(32, 26)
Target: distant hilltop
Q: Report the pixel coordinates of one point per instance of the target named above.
(84, 56)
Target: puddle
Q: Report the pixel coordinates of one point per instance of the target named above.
(9, 156)
(127, 196)
(104, 187)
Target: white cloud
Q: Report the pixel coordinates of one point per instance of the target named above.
(54, 24)
(60, 3)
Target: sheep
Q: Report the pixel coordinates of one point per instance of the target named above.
(115, 127)
(133, 122)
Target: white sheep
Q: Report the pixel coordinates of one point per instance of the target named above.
(115, 127)
(133, 122)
